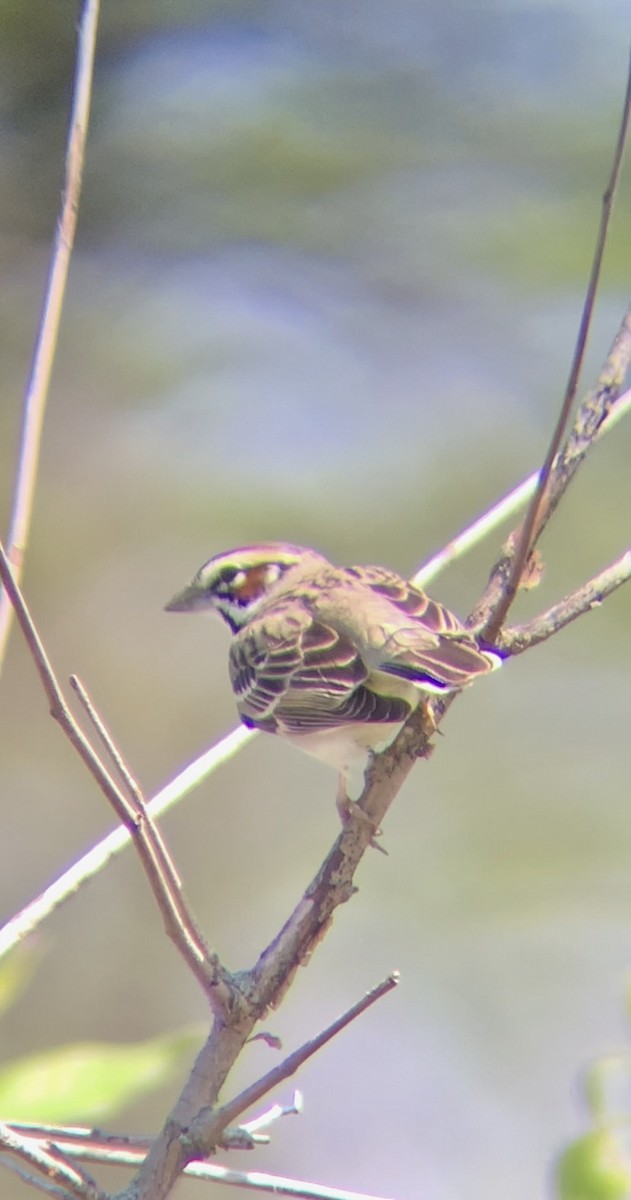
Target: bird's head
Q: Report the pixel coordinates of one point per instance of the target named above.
(237, 583)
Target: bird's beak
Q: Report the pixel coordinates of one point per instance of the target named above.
(193, 597)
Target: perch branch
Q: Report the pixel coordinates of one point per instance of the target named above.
(95, 859)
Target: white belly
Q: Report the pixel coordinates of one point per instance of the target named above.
(347, 748)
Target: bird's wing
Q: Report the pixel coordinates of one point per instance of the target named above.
(303, 676)
(409, 599)
(432, 648)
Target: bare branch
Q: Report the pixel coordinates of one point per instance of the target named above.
(46, 341)
(590, 595)
(92, 863)
(208, 1126)
(536, 516)
(273, 1114)
(50, 1162)
(591, 415)
(33, 1181)
(107, 741)
(111, 1150)
(219, 985)
(474, 533)
(193, 1128)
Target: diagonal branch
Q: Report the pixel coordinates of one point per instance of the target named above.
(46, 342)
(218, 983)
(193, 1129)
(51, 1163)
(485, 524)
(591, 415)
(94, 860)
(522, 637)
(89, 1145)
(540, 507)
(208, 1127)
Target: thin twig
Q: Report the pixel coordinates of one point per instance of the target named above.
(592, 414)
(522, 637)
(194, 1123)
(529, 531)
(33, 1181)
(208, 1126)
(474, 533)
(47, 334)
(140, 810)
(218, 983)
(66, 1137)
(157, 861)
(112, 1151)
(49, 1160)
(105, 737)
(273, 1114)
(92, 863)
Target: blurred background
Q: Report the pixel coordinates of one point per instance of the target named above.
(330, 265)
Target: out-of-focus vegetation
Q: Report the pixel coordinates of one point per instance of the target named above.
(329, 270)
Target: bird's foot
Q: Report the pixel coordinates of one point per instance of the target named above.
(429, 721)
(348, 808)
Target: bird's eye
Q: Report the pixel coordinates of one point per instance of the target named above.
(229, 579)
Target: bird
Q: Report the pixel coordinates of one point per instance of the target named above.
(333, 659)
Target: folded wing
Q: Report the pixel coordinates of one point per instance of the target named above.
(313, 678)
(433, 649)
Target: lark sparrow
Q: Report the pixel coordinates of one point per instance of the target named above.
(332, 658)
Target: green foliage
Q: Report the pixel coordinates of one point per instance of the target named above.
(90, 1081)
(17, 970)
(596, 1167)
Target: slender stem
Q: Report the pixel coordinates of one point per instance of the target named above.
(94, 860)
(529, 531)
(50, 1161)
(590, 595)
(217, 982)
(207, 1128)
(474, 533)
(46, 342)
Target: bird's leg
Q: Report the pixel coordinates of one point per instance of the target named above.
(348, 808)
(429, 721)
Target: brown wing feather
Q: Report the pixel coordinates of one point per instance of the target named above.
(435, 650)
(408, 599)
(312, 679)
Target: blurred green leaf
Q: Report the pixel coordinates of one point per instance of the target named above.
(17, 970)
(89, 1081)
(596, 1167)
